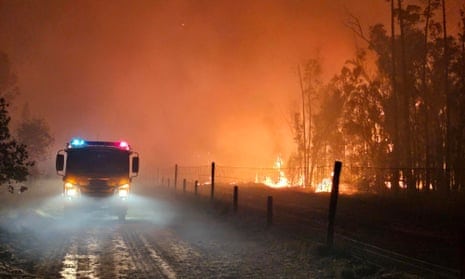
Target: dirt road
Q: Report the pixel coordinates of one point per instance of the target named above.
(111, 250)
(164, 236)
(159, 239)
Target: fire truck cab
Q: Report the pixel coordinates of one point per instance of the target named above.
(97, 175)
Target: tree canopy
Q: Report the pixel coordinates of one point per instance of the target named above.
(15, 163)
(14, 159)
(403, 124)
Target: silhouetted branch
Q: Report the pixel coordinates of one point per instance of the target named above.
(353, 23)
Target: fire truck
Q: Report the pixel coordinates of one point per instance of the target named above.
(97, 175)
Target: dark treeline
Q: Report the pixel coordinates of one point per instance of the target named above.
(395, 113)
(28, 143)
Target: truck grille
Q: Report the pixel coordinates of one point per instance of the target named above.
(97, 188)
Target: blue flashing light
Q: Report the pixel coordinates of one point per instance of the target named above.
(77, 142)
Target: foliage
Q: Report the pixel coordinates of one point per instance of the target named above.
(405, 122)
(14, 160)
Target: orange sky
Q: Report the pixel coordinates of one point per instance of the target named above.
(182, 81)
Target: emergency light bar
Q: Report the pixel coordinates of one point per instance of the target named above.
(78, 142)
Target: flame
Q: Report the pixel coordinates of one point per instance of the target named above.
(279, 180)
(282, 180)
(324, 186)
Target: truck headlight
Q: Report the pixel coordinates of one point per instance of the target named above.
(71, 190)
(123, 191)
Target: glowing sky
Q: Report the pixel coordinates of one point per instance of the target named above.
(182, 81)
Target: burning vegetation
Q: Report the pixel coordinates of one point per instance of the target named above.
(394, 113)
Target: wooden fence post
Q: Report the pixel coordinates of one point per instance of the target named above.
(212, 193)
(175, 176)
(158, 176)
(235, 198)
(333, 204)
(196, 186)
(462, 252)
(269, 211)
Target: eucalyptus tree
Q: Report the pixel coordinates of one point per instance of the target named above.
(14, 160)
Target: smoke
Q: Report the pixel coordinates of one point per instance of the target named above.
(40, 210)
(183, 81)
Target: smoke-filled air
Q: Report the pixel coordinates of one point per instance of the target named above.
(185, 82)
(206, 138)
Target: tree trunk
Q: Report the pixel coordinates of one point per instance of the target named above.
(448, 106)
(405, 100)
(395, 136)
(427, 179)
(304, 128)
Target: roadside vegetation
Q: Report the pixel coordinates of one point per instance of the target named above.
(18, 154)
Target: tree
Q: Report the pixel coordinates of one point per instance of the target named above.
(311, 86)
(327, 142)
(459, 68)
(362, 99)
(14, 159)
(405, 123)
(35, 134)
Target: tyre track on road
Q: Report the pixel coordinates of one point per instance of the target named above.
(122, 260)
(147, 262)
(184, 258)
(51, 263)
(83, 256)
(112, 250)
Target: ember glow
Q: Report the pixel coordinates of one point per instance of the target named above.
(324, 186)
(281, 180)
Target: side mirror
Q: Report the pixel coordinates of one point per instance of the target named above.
(135, 165)
(60, 162)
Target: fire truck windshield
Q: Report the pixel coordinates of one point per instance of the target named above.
(97, 162)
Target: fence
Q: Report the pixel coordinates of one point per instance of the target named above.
(353, 179)
(291, 209)
(240, 175)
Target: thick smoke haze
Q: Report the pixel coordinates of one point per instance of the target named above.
(184, 82)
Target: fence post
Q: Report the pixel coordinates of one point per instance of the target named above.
(175, 175)
(269, 211)
(235, 198)
(184, 185)
(212, 193)
(157, 179)
(462, 252)
(196, 185)
(333, 204)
